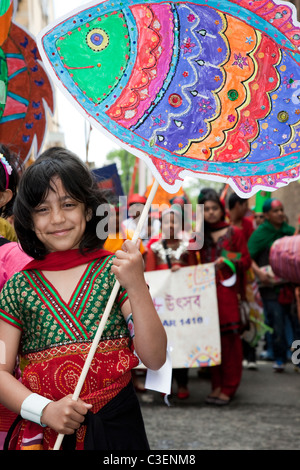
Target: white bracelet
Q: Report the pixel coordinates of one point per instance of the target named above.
(32, 408)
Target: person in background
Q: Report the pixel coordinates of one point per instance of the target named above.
(258, 215)
(221, 238)
(153, 226)
(10, 170)
(171, 251)
(187, 216)
(277, 297)
(12, 258)
(117, 235)
(136, 205)
(259, 218)
(7, 230)
(238, 208)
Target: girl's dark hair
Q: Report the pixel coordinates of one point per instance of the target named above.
(35, 183)
(13, 179)
(233, 199)
(209, 194)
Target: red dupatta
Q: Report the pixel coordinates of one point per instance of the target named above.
(62, 260)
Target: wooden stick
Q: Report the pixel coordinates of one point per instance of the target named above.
(107, 311)
(133, 178)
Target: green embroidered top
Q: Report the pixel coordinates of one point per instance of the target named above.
(30, 302)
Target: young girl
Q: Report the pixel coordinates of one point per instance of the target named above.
(52, 309)
(221, 242)
(171, 251)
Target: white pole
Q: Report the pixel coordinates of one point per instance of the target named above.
(107, 311)
(142, 177)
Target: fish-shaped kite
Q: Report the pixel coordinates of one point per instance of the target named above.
(25, 89)
(205, 88)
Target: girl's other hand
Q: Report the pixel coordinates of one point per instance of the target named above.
(219, 263)
(175, 268)
(265, 278)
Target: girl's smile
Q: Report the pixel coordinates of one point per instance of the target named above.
(60, 221)
(60, 232)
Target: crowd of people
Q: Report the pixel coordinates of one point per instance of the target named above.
(230, 228)
(56, 278)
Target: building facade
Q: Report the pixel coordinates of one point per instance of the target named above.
(34, 15)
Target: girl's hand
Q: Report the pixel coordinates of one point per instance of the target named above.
(65, 415)
(175, 268)
(150, 340)
(219, 263)
(128, 266)
(264, 277)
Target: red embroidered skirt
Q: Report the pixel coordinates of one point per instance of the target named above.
(54, 373)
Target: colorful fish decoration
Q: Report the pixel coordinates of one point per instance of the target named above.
(205, 88)
(25, 89)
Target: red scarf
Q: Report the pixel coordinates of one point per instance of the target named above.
(216, 226)
(61, 260)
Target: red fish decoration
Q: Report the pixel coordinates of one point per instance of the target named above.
(25, 89)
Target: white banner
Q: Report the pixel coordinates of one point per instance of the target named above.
(186, 301)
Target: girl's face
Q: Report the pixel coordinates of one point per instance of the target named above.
(212, 212)
(170, 225)
(59, 221)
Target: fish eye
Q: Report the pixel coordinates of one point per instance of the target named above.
(97, 39)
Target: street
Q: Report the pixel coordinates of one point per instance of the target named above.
(264, 415)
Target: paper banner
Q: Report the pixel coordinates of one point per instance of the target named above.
(186, 301)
